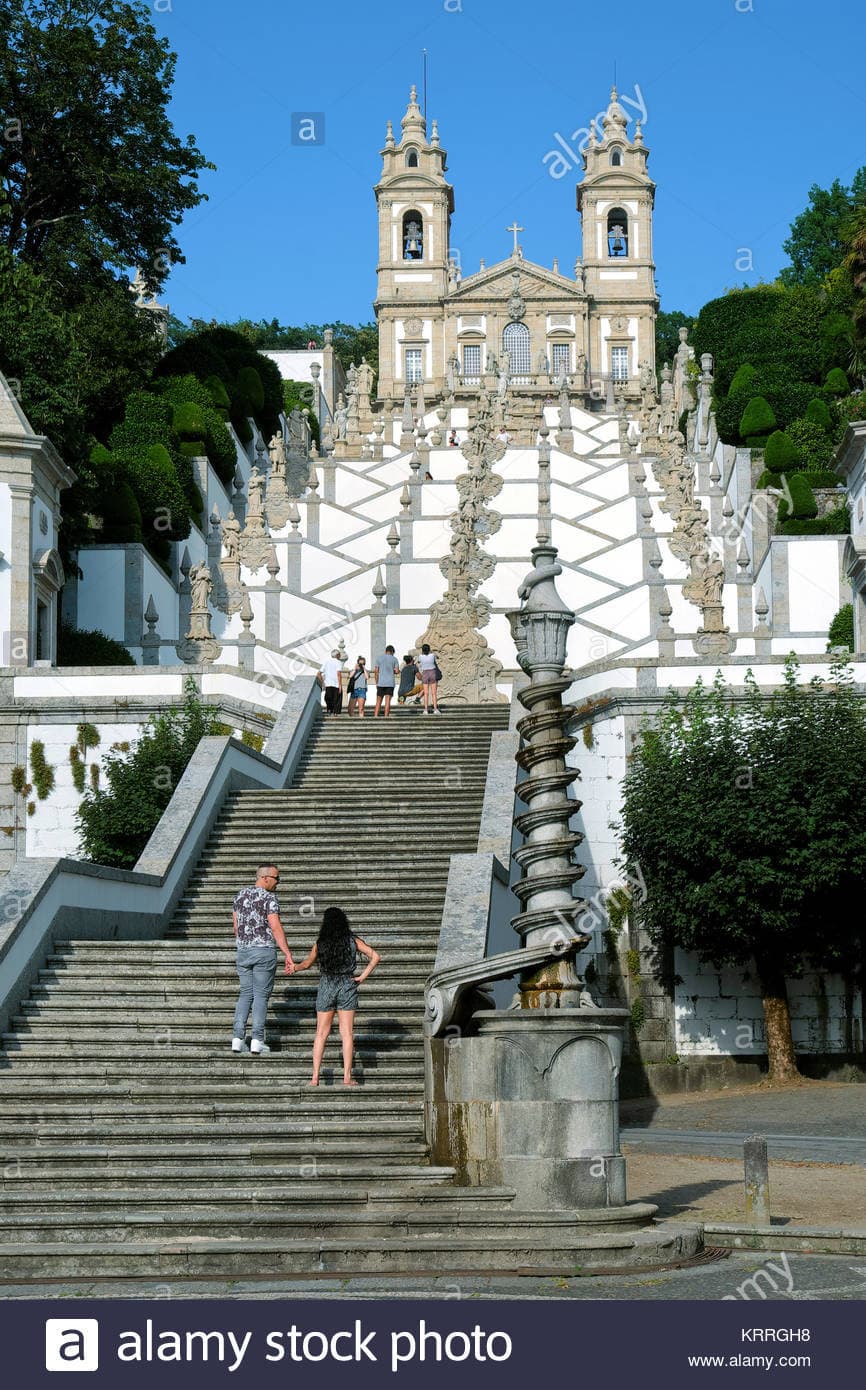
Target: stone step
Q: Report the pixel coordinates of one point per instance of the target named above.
(27, 1105)
(276, 1175)
(369, 1132)
(173, 962)
(296, 1158)
(84, 1060)
(560, 1247)
(194, 979)
(430, 1196)
(394, 1003)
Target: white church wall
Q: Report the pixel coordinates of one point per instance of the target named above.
(816, 589)
(101, 591)
(157, 583)
(52, 829)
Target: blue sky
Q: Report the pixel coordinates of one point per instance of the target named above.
(748, 102)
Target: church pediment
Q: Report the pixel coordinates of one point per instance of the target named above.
(532, 282)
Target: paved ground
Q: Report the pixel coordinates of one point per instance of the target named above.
(685, 1152)
(786, 1278)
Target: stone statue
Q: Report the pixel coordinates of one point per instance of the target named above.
(710, 581)
(564, 410)
(542, 366)
(452, 373)
(231, 531)
(277, 452)
(341, 417)
(364, 377)
(502, 381)
(581, 368)
(200, 586)
(255, 490)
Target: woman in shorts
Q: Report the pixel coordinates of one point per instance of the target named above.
(429, 668)
(336, 951)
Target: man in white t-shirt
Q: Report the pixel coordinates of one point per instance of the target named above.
(331, 679)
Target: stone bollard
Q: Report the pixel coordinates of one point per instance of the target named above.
(757, 1177)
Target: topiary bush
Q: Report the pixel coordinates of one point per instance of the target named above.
(756, 422)
(780, 453)
(819, 414)
(121, 516)
(157, 487)
(769, 479)
(219, 395)
(816, 450)
(88, 647)
(802, 504)
(742, 379)
(189, 422)
(250, 391)
(836, 382)
(766, 327)
(841, 633)
(223, 353)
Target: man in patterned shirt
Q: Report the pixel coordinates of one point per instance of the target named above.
(259, 935)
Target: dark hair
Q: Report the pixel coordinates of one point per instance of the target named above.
(390, 649)
(426, 649)
(335, 943)
(408, 657)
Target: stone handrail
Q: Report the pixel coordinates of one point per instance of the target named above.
(40, 899)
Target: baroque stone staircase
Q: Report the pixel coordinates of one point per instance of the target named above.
(134, 1144)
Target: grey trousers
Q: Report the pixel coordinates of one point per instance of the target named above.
(257, 968)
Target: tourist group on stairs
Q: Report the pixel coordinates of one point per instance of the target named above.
(419, 677)
(260, 937)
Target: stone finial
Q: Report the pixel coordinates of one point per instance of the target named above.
(393, 536)
(434, 136)
(294, 517)
(215, 518)
(556, 265)
(151, 617)
(638, 133)
(389, 135)
(379, 586)
(762, 607)
(405, 499)
(313, 481)
(150, 641)
(715, 476)
(246, 610)
(415, 462)
(328, 336)
(185, 563)
(727, 508)
(743, 557)
(272, 564)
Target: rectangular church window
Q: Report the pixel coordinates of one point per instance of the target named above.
(413, 364)
(472, 359)
(561, 358)
(619, 363)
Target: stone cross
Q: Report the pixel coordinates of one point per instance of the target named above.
(515, 229)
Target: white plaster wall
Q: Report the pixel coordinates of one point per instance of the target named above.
(814, 581)
(52, 829)
(157, 583)
(101, 592)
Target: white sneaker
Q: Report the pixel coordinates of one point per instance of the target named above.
(238, 1045)
(257, 1047)
(437, 710)
(426, 711)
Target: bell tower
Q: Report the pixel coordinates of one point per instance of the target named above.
(615, 201)
(415, 203)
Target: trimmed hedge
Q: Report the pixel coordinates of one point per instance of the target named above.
(757, 420)
(768, 326)
(223, 353)
(89, 647)
(121, 516)
(835, 523)
(189, 421)
(780, 453)
(219, 395)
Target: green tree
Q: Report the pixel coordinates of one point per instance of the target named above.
(747, 819)
(117, 820)
(668, 325)
(94, 175)
(817, 243)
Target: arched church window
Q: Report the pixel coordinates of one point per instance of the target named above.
(413, 236)
(411, 159)
(616, 158)
(617, 232)
(515, 341)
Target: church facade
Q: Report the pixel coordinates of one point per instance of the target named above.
(592, 328)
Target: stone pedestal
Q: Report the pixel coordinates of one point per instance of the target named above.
(527, 1099)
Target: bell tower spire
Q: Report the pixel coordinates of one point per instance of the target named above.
(415, 203)
(615, 201)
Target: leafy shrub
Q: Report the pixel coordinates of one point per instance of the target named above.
(780, 453)
(117, 821)
(836, 382)
(223, 352)
(816, 450)
(851, 407)
(821, 477)
(757, 420)
(200, 424)
(742, 379)
(88, 647)
(802, 503)
(819, 414)
(250, 392)
(155, 482)
(841, 633)
(41, 769)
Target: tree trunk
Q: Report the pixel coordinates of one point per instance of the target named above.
(777, 1023)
